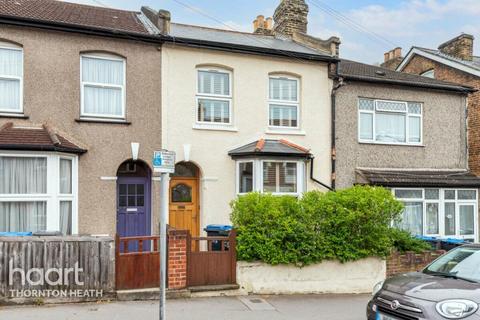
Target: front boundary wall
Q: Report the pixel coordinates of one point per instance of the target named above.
(398, 263)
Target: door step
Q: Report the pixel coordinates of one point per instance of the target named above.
(219, 287)
(150, 294)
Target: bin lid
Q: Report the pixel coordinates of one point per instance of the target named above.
(15, 234)
(426, 238)
(218, 227)
(453, 240)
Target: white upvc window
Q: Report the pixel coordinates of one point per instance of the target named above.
(214, 97)
(284, 102)
(276, 176)
(389, 122)
(38, 192)
(11, 78)
(103, 79)
(445, 213)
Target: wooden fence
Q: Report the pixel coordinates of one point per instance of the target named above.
(93, 257)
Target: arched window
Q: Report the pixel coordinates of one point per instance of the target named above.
(429, 74)
(11, 78)
(102, 86)
(214, 96)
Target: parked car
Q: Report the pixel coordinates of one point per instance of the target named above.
(449, 288)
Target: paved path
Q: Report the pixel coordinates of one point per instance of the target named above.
(336, 307)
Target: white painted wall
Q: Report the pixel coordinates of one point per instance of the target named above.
(326, 277)
(209, 149)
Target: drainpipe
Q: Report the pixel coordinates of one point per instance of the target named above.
(315, 180)
(338, 84)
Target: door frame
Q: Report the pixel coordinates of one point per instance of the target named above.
(147, 198)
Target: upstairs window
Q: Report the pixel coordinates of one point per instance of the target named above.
(11, 78)
(214, 97)
(283, 102)
(390, 122)
(103, 86)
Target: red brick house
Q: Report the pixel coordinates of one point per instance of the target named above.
(453, 61)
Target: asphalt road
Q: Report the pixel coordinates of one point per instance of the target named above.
(329, 307)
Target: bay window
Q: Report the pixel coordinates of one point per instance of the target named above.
(389, 122)
(11, 78)
(102, 86)
(37, 192)
(214, 96)
(439, 212)
(271, 176)
(283, 102)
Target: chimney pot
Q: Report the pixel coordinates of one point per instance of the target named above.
(386, 56)
(392, 58)
(269, 23)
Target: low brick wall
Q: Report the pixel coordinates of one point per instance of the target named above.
(177, 259)
(410, 261)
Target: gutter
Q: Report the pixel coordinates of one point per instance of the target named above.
(28, 147)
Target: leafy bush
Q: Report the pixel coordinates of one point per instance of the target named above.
(345, 225)
(403, 242)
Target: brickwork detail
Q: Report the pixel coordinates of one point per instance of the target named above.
(177, 259)
(410, 262)
(291, 16)
(419, 64)
(460, 47)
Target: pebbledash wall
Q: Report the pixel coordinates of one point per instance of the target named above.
(52, 95)
(444, 129)
(210, 146)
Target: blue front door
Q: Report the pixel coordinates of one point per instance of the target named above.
(133, 207)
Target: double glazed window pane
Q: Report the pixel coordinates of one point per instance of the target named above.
(66, 217)
(11, 71)
(283, 89)
(432, 218)
(467, 219)
(449, 218)
(103, 82)
(412, 219)
(390, 127)
(414, 128)
(366, 126)
(213, 110)
(283, 116)
(65, 176)
(214, 83)
(280, 177)
(245, 177)
(23, 175)
(23, 216)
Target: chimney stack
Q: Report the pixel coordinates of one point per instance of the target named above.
(262, 26)
(160, 19)
(392, 59)
(291, 16)
(460, 47)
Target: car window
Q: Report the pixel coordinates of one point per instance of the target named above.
(463, 262)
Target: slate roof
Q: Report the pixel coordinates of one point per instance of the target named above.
(417, 178)
(364, 72)
(474, 64)
(283, 44)
(268, 147)
(60, 12)
(41, 138)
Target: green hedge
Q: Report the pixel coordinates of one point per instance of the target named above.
(345, 225)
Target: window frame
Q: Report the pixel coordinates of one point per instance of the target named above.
(428, 74)
(374, 112)
(53, 197)
(84, 84)
(237, 175)
(283, 102)
(208, 96)
(20, 79)
(441, 210)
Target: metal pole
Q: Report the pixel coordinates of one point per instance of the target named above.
(163, 241)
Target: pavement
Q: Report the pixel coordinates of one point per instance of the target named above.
(302, 307)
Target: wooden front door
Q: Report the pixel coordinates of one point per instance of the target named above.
(184, 205)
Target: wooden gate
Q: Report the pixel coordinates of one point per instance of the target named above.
(212, 260)
(137, 263)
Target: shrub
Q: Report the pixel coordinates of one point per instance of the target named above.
(345, 225)
(403, 241)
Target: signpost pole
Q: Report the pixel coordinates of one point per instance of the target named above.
(163, 241)
(164, 163)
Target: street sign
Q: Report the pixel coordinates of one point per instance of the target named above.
(164, 161)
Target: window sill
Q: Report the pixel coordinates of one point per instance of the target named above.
(214, 127)
(392, 144)
(13, 115)
(106, 121)
(293, 132)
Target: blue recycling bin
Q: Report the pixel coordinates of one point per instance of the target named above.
(451, 243)
(433, 241)
(15, 234)
(218, 230)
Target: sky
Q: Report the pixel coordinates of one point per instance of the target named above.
(367, 28)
